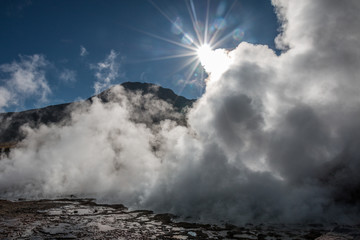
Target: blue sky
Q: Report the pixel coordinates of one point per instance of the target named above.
(81, 43)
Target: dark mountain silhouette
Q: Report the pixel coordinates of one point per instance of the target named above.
(11, 122)
(166, 94)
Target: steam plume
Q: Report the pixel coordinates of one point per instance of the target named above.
(275, 138)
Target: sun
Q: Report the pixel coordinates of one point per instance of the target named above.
(215, 62)
(199, 43)
(204, 52)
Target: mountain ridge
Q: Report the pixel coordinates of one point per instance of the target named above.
(11, 122)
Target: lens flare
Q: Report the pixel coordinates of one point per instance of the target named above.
(198, 40)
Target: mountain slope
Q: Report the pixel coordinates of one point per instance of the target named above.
(11, 122)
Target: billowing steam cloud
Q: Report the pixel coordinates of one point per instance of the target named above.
(275, 138)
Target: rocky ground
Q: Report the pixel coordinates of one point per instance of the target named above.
(84, 219)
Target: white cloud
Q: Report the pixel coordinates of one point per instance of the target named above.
(24, 79)
(83, 51)
(5, 97)
(106, 72)
(68, 76)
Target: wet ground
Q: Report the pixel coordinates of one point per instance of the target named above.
(84, 219)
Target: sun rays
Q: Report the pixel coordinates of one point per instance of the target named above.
(197, 41)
